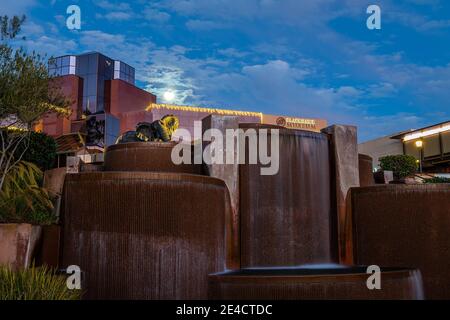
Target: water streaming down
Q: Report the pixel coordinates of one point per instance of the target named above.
(146, 235)
(286, 218)
(313, 283)
(288, 234)
(138, 156)
(405, 225)
(142, 234)
(365, 164)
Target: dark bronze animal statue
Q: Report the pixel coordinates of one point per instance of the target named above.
(159, 130)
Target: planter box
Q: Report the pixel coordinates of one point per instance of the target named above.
(17, 244)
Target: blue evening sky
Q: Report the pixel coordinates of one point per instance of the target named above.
(311, 58)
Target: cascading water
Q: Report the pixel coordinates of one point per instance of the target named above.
(405, 225)
(145, 235)
(286, 218)
(147, 229)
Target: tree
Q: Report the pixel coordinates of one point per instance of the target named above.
(41, 150)
(27, 93)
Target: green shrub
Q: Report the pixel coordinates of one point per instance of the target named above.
(401, 165)
(34, 284)
(41, 150)
(22, 200)
(437, 180)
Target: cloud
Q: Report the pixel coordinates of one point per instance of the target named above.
(95, 38)
(115, 16)
(382, 90)
(434, 24)
(117, 46)
(107, 5)
(274, 86)
(30, 28)
(50, 45)
(370, 127)
(121, 11)
(287, 57)
(154, 15)
(203, 25)
(232, 52)
(16, 7)
(287, 12)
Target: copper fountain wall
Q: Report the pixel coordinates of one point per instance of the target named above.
(146, 235)
(321, 283)
(286, 218)
(139, 156)
(365, 164)
(405, 226)
(138, 234)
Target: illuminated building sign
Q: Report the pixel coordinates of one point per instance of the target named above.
(188, 114)
(295, 123)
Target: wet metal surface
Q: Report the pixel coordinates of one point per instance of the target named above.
(365, 170)
(344, 175)
(146, 235)
(286, 218)
(145, 156)
(317, 283)
(405, 225)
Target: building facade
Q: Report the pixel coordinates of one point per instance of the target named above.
(381, 147)
(106, 103)
(102, 94)
(429, 145)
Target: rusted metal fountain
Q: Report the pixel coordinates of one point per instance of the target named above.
(145, 228)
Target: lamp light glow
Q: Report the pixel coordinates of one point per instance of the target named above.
(419, 143)
(202, 109)
(426, 133)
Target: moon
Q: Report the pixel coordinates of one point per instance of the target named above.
(169, 96)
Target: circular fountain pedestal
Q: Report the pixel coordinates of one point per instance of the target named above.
(146, 235)
(145, 156)
(286, 218)
(318, 283)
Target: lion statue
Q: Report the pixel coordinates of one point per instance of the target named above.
(157, 131)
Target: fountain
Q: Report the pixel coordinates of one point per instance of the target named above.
(289, 231)
(405, 225)
(330, 282)
(145, 228)
(138, 156)
(365, 165)
(286, 218)
(136, 235)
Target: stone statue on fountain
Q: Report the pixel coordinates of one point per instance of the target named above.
(157, 131)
